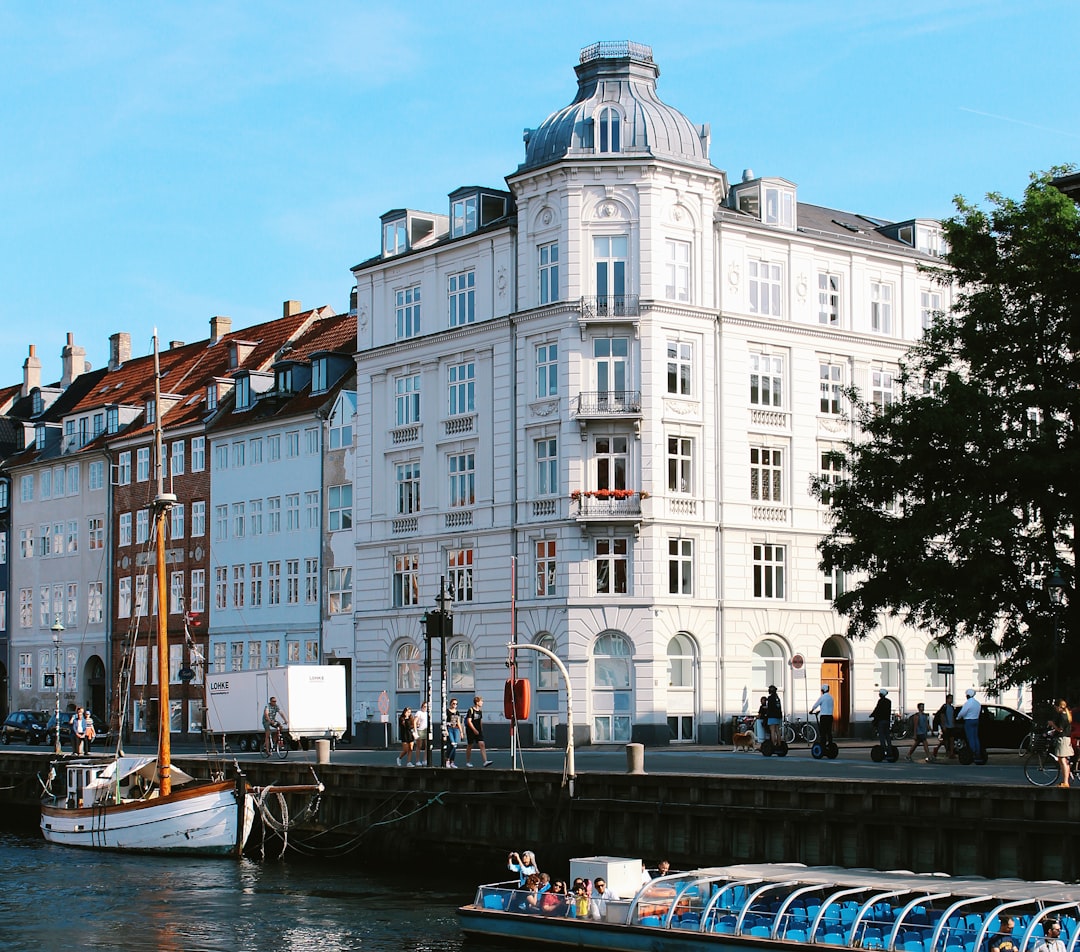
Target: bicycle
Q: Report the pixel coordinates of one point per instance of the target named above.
(279, 744)
(1041, 766)
(804, 730)
(900, 726)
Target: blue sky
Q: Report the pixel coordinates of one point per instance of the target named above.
(165, 162)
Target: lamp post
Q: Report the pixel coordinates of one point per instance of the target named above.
(57, 631)
(1055, 587)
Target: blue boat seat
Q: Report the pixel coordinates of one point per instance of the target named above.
(650, 921)
(912, 945)
(725, 924)
(833, 938)
(796, 935)
(494, 901)
(760, 931)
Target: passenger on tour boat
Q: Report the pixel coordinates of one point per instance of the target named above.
(524, 864)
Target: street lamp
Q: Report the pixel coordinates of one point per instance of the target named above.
(57, 631)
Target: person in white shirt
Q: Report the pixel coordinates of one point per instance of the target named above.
(969, 716)
(420, 748)
(602, 895)
(1051, 940)
(824, 707)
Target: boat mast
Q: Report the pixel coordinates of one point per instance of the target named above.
(163, 502)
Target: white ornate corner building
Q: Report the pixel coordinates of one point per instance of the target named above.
(604, 391)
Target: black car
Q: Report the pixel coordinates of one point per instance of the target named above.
(26, 727)
(101, 729)
(1003, 727)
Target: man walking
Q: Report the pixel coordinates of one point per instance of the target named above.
(474, 732)
(969, 717)
(946, 720)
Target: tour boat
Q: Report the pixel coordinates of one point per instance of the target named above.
(776, 905)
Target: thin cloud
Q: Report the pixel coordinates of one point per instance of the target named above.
(1020, 122)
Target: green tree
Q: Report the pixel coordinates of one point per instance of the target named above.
(960, 497)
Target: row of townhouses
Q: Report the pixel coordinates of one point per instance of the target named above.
(588, 403)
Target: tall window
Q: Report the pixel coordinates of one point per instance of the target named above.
(611, 701)
(612, 455)
(828, 299)
(681, 566)
(463, 216)
(142, 592)
(461, 667)
(292, 511)
(407, 312)
(341, 422)
(406, 580)
(142, 464)
(680, 655)
(123, 471)
(339, 590)
(255, 517)
(292, 581)
(831, 378)
(881, 388)
(768, 571)
(176, 592)
(256, 584)
(198, 518)
(311, 510)
(142, 526)
(547, 370)
(409, 668)
(935, 655)
(547, 466)
(680, 367)
(73, 479)
(239, 520)
(273, 583)
(766, 474)
(339, 507)
(95, 603)
(407, 478)
(462, 388)
(198, 454)
(610, 256)
(311, 581)
(176, 465)
(407, 399)
(459, 571)
(273, 514)
(609, 130)
(198, 590)
(176, 529)
(887, 666)
(320, 375)
(462, 292)
(677, 270)
(611, 357)
(764, 287)
(830, 471)
(766, 380)
(833, 586)
(462, 479)
(679, 465)
(26, 606)
(239, 587)
(768, 667)
(612, 565)
(880, 307)
(95, 475)
(929, 307)
(548, 257)
(221, 587)
(255, 450)
(123, 600)
(545, 567)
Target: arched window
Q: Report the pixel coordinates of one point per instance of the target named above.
(985, 666)
(887, 669)
(609, 130)
(768, 667)
(936, 653)
(409, 667)
(612, 698)
(461, 667)
(547, 674)
(611, 661)
(680, 653)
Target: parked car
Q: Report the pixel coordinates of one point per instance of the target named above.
(1003, 727)
(27, 727)
(101, 730)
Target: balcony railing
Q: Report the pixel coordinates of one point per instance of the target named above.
(606, 504)
(609, 307)
(405, 434)
(604, 403)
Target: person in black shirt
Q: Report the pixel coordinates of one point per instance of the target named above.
(474, 732)
(775, 712)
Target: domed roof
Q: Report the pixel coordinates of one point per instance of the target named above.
(616, 110)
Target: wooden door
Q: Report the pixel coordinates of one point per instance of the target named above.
(834, 673)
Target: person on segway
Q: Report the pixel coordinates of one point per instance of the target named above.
(775, 712)
(881, 716)
(824, 707)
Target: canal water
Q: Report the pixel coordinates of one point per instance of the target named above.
(57, 898)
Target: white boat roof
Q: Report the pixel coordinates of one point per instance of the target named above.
(146, 767)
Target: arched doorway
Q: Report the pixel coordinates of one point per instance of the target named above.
(94, 680)
(836, 673)
(612, 691)
(682, 689)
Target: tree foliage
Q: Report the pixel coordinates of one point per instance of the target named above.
(961, 496)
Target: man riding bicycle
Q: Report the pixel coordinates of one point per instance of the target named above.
(270, 719)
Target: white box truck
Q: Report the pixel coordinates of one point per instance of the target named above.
(311, 698)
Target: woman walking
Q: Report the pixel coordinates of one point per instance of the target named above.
(1061, 721)
(407, 736)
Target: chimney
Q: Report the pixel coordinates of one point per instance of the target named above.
(119, 350)
(31, 372)
(219, 327)
(289, 308)
(73, 358)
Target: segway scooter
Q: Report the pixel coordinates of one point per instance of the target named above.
(819, 749)
(768, 748)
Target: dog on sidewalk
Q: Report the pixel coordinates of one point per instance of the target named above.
(743, 740)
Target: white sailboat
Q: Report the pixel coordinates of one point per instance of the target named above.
(144, 804)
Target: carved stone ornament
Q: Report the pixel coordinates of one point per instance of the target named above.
(546, 216)
(677, 214)
(608, 210)
(361, 316)
(800, 287)
(545, 409)
(501, 282)
(733, 274)
(680, 407)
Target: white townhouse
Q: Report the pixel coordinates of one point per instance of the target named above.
(270, 513)
(598, 398)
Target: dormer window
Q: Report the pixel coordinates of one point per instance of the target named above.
(463, 215)
(37, 402)
(779, 207)
(770, 200)
(40, 433)
(609, 130)
(283, 382)
(243, 393)
(211, 397)
(319, 375)
(472, 208)
(151, 411)
(112, 419)
(928, 240)
(394, 238)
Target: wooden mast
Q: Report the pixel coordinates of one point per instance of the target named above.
(163, 502)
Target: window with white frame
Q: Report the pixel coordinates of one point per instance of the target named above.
(71, 605)
(220, 653)
(256, 589)
(830, 471)
(409, 666)
(881, 388)
(311, 581)
(221, 456)
(273, 583)
(292, 444)
(461, 290)
(611, 363)
(273, 447)
(142, 526)
(462, 473)
(680, 464)
(239, 520)
(779, 207)
(292, 512)
(255, 450)
(71, 546)
(828, 299)
(547, 369)
(610, 256)
(198, 454)
(766, 474)
(142, 464)
(26, 608)
(407, 399)
(680, 661)
(831, 378)
(292, 581)
(95, 475)
(680, 566)
(176, 593)
(766, 380)
(680, 368)
(881, 307)
(198, 590)
(612, 659)
(459, 573)
(546, 565)
(462, 388)
(407, 312)
(548, 258)
(612, 560)
(95, 603)
(198, 518)
(936, 654)
(406, 580)
(221, 587)
(320, 370)
(273, 514)
(765, 285)
(123, 597)
(72, 472)
(463, 216)
(26, 540)
(407, 482)
(611, 458)
(176, 530)
(929, 307)
(273, 654)
(311, 441)
(236, 652)
(123, 468)
(547, 466)
(176, 466)
(887, 665)
(341, 421)
(768, 570)
(311, 510)
(677, 270)
(767, 666)
(239, 585)
(239, 454)
(339, 590)
(255, 517)
(339, 507)
(461, 667)
(833, 586)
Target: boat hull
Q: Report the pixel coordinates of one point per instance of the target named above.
(199, 818)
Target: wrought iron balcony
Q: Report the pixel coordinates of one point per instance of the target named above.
(602, 307)
(609, 403)
(604, 505)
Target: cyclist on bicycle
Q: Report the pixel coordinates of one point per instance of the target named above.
(824, 707)
(271, 714)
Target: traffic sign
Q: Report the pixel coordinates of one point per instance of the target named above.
(946, 668)
(186, 675)
(797, 661)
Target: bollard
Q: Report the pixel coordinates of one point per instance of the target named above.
(635, 758)
(322, 751)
